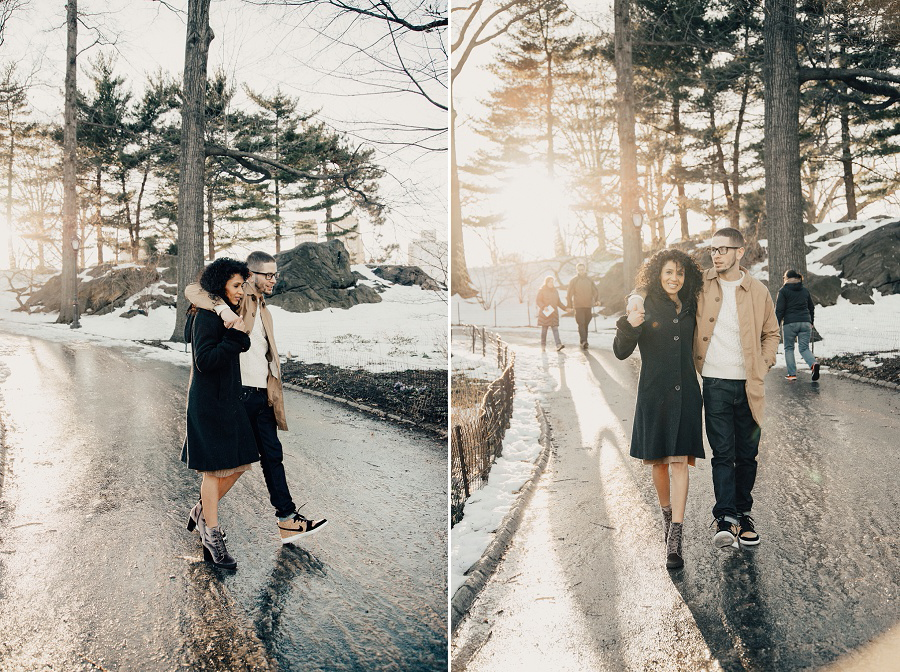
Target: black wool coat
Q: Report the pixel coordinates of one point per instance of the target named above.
(219, 435)
(667, 416)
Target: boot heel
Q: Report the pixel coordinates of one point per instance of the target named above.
(191, 524)
(207, 555)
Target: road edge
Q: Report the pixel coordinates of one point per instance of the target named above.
(479, 573)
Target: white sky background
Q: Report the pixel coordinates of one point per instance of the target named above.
(264, 47)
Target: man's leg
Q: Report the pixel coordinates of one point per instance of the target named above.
(747, 436)
(581, 317)
(718, 405)
(271, 455)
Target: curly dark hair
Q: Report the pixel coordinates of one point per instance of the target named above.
(650, 271)
(215, 276)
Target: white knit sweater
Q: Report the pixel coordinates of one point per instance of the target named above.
(725, 356)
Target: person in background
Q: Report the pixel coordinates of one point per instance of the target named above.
(667, 431)
(549, 304)
(795, 311)
(582, 296)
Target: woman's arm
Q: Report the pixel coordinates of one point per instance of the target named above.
(211, 350)
(627, 337)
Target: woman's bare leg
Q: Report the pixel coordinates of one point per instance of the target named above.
(209, 496)
(661, 483)
(226, 483)
(679, 490)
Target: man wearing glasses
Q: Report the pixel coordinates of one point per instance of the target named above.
(262, 393)
(734, 347)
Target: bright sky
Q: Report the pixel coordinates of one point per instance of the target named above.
(264, 47)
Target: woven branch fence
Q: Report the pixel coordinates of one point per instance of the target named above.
(477, 430)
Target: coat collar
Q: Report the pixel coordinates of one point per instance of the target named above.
(710, 274)
(251, 293)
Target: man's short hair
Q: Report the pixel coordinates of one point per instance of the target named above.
(257, 258)
(734, 236)
(580, 264)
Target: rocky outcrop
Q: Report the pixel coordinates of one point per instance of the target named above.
(857, 294)
(315, 276)
(610, 288)
(825, 289)
(98, 296)
(872, 260)
(406, 276)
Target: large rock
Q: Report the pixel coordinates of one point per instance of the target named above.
(610, 288)
(857, 294)
(872, 260)
(100, 295)
(825, 289)
(406, 276)
(315, 276)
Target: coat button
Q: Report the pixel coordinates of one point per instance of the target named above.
(676, 338)
(699, 357)
(678, 388)
(717, 298)
(705, 338)
(712, 319)
(675, 320)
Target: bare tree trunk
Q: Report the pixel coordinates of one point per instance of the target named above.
(193, 157)
(847, 161)
(210, 226)
(601, 232)
(784, 205)
(734, 209)
(135, 253)
(132, 242)
(9, 181)
(70, 200)
(459, 273)
(99, 216)
(631, 235)
(678, 130)
(720, 157)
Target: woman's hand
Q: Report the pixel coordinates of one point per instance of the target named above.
(635, 317)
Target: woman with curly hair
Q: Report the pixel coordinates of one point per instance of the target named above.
(667, 418)
(220, 442)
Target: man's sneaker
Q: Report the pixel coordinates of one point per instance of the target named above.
(298, 526)
(790, 377)
(560, 347)
(726, 532)
(815, 370)
(748, 535)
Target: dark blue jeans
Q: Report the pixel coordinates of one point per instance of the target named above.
(271, 455)
(734, 439)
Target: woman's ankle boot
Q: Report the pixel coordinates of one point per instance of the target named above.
(214, 550)
(674, 558)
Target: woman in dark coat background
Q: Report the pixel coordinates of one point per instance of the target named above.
(219, 443)
(667, 418)
(795, 311)
(549, 304)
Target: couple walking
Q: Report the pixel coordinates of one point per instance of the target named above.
(235, 399)
(582, 295)
(720, 324)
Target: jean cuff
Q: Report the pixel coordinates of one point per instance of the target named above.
(731, 519)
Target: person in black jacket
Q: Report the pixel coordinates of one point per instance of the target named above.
(219, 442)
(795, 312)
(667, 417)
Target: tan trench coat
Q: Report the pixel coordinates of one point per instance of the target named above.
(252, 303)
(759, 332)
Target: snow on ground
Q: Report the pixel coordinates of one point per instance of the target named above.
(486, 507)
(407, 329)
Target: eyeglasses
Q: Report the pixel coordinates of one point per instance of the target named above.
(267, 276)
(721, 250)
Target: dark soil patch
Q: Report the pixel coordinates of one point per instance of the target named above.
(888, 371)
(416, 395)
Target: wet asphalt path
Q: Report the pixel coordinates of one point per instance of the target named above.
(584, 586)
(98, 572)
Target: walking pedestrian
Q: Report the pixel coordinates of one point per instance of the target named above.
(261, 389)
(549, 303)
(734, 347)
(582, 296)
(795, 312)
(219, 442)
(667, 431)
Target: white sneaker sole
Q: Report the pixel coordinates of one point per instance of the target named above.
(295, 537)
(723, 539)
(748, 543)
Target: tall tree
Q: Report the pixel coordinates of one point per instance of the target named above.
(193, 154)
(70, 143)
(15, 125)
